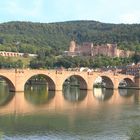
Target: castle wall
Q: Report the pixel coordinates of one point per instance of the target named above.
(86, 49)
(89, 49)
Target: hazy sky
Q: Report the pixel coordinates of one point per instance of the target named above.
(108, 11)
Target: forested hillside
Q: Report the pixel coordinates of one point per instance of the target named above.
(55, 37)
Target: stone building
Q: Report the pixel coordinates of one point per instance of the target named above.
(15, 54)
(74, 50)
(88, 49)
(105, 50)
(132, 69)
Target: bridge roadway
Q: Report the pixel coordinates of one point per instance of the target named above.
(17, 78)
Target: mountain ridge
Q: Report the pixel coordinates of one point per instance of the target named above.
(57, 35)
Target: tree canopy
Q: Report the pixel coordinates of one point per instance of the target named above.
(49, 40)
(31, 37)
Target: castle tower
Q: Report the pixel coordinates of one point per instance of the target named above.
(112, 50)
(72, 46)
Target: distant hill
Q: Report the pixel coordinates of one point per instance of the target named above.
(30, 37)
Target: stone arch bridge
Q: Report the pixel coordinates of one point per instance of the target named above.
(17, 78)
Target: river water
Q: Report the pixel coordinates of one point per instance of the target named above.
(71, 114)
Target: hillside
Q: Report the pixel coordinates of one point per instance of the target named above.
(31, 37)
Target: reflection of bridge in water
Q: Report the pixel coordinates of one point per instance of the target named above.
(55, 79)
(21, 104)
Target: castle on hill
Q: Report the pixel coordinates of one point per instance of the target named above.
(88, 49)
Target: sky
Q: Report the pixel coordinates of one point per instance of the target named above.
(47, 11)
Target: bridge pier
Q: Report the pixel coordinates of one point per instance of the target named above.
(59, 86)
(19, 83)
(90, 87)
(19, 89)
(137, 82)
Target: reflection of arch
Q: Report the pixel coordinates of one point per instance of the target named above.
(6, 97)
(49, 82)
(102, 94)
(81, 81)
(72, 93)
(9, 82)
(38, 94)
(126, 92)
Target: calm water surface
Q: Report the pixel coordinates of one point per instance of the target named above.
(70, 114)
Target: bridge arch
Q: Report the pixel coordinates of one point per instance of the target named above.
(10, 83)
(107, 81)
(49, 81)
(127, 81)
(81, 81)
(17, 79)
